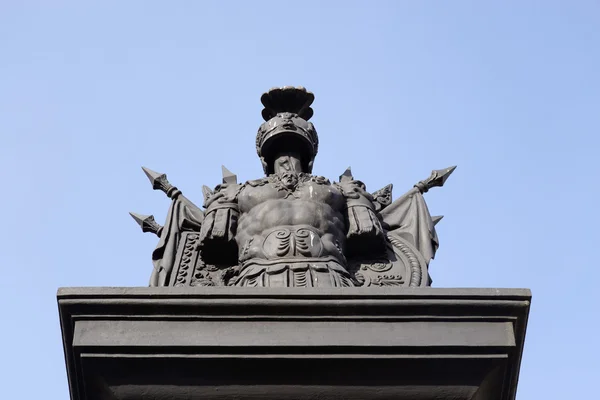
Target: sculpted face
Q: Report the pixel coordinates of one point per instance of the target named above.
(288, 165)
(288, 161)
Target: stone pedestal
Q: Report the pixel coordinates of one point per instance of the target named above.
(231, 343)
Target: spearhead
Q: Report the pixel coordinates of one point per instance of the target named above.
(159, 182)
(228, 176)
(147, 223)
(437, 178)
(436, 219)
(346, 176)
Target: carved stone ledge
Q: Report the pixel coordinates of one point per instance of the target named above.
(223, 343)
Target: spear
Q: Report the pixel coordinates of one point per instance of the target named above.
(159, 182)
(147, 223)
(437, 179)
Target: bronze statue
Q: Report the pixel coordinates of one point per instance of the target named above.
(292, 228)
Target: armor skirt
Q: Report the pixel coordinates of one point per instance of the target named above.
(293, 273)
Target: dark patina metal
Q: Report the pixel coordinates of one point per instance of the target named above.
(292, 228)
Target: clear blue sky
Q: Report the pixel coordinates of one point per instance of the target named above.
(508, 91)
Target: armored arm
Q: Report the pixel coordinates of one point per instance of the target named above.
(362, 220)
(217, 234)
(364, 231)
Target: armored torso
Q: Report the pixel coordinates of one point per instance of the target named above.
(292, 221)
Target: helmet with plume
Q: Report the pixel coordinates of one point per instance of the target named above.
(287, 111)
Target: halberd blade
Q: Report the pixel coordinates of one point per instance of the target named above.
(228, 176)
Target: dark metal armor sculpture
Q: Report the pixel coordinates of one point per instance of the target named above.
(292, 228)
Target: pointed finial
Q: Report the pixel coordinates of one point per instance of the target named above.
(436, 219)
(207, 192)
(147, 223)
(437, 178)
(159, 182)
(346, 176)
(228, 176)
